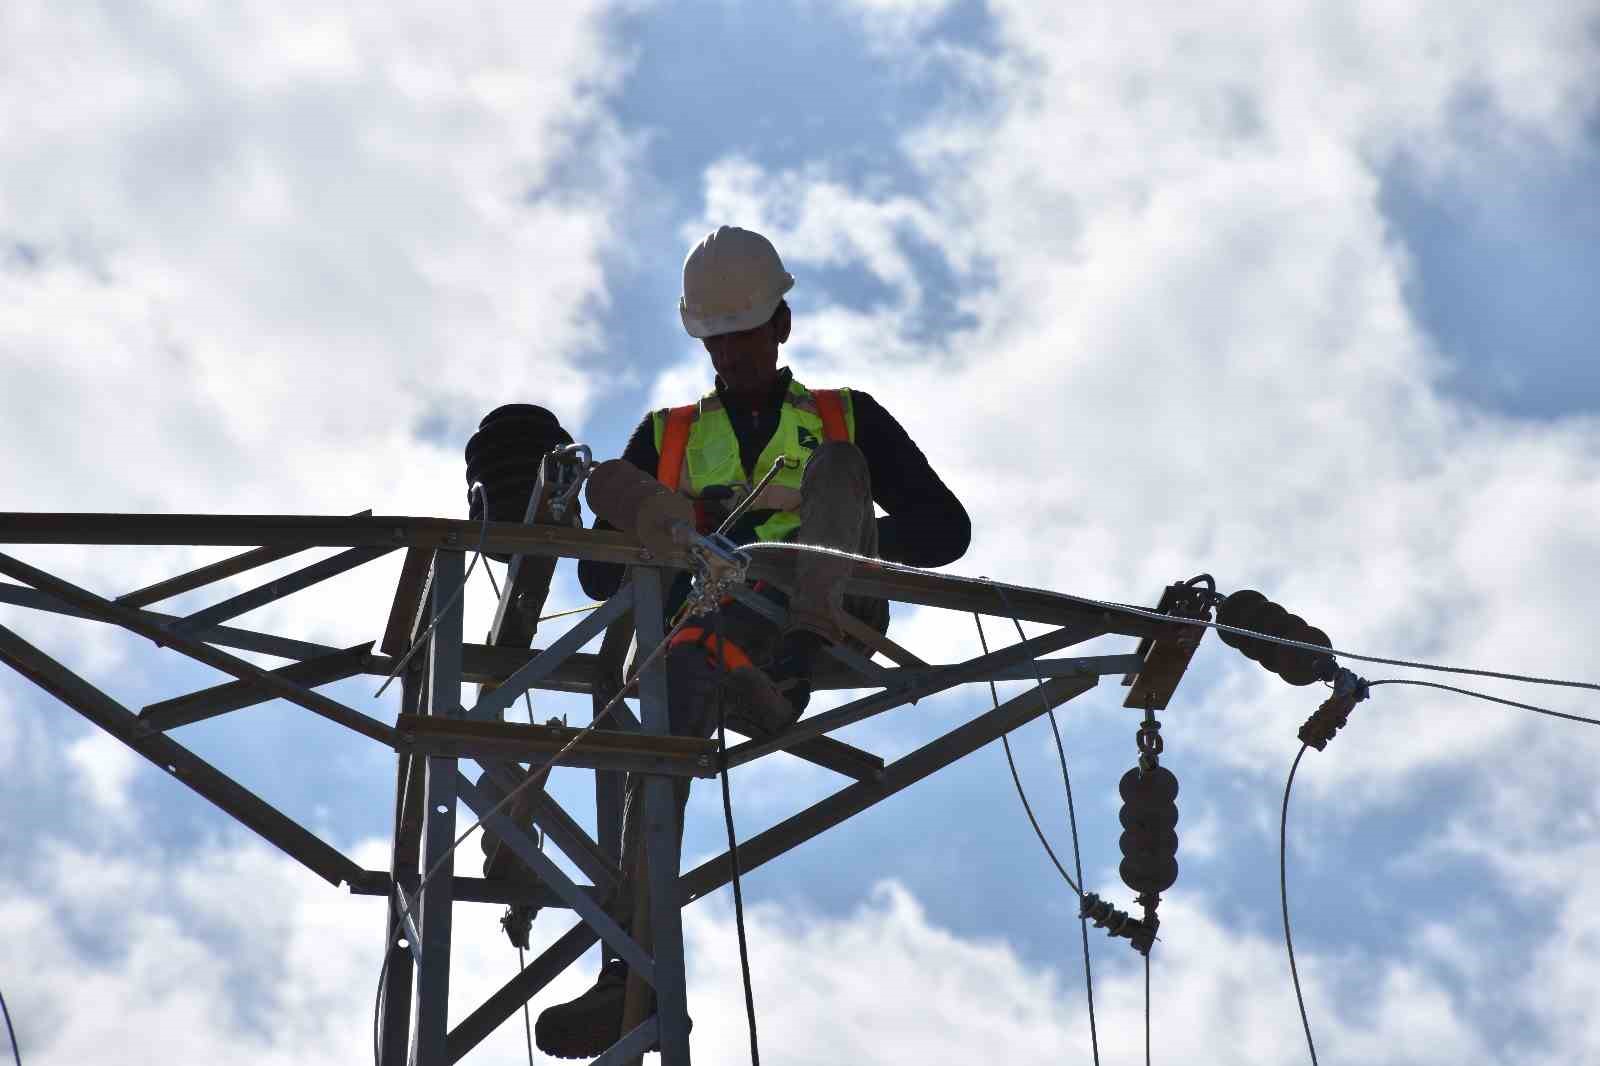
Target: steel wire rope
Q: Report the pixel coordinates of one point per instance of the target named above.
(15, 1050)
(1283, 897)
(733, 843)
(1156, 616)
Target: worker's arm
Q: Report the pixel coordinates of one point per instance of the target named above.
(924, 523)
(600, 581)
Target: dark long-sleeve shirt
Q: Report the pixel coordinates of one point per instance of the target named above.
(923, 524)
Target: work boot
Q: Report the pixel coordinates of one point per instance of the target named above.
(584, 1027)
(588, 1025)
(792, 666)
(755, 705)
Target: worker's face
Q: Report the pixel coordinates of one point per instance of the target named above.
(748, 360)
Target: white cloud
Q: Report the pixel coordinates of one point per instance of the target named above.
(234, 953)
(1184, 300)
(277, 260)
(105, 767)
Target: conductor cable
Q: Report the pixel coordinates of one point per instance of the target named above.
(16, 1052)
(1486, 696)
(1016, 779)
(1283, 896)
(1154, 616)
(1072, 823)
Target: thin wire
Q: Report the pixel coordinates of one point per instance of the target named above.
(575, 610)
(1283, 895)
(15, 1050)
(1486, 696)
(1072, 821)
(1140, 612)
(483, 535)
(733, 844)
(1017, 780)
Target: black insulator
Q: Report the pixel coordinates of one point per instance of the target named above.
(1117, 922)
(1334, 713)
(1149, 819)
(505, 455)
(1249, 609)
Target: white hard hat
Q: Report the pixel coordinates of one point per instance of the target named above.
(732, 280)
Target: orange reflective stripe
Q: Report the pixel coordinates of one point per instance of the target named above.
(830, 408)
(674, 439)
(732, 655)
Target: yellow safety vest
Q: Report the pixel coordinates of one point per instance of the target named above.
(699, 451)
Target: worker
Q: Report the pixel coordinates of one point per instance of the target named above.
(848, 454)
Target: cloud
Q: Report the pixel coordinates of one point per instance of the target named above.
(1181, 293)
(280, 260)
(106, 766)
(233, 952)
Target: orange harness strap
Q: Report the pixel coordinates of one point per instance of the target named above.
(732, 654)
(674, 439)
(830, 408)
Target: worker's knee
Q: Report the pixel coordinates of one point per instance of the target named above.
(836, 463)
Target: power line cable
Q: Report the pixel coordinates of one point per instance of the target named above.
(15, 1050)
(1283, 896)
(1155, 616)
(1016, 779)
(1486, 696)
(1072, 822)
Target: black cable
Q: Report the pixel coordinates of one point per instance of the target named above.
(1156, 616)
(733, 843)
(1486, 696)
(1072, 822)
(15, 1051)
(1016, 779)
(1283, 895)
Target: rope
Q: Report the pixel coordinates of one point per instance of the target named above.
(1072, 821)
(1486, 696)
(733, 844)
(1017, 780)
(1283, 895)
(1140, 612)
(15, 1050)
(527, 1026)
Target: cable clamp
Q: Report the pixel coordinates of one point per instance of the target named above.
(719, 565)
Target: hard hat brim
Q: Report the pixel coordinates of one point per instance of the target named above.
(750, 318)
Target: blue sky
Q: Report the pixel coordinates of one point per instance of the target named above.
(1303, 301)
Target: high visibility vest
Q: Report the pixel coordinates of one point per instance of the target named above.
(699, 451)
